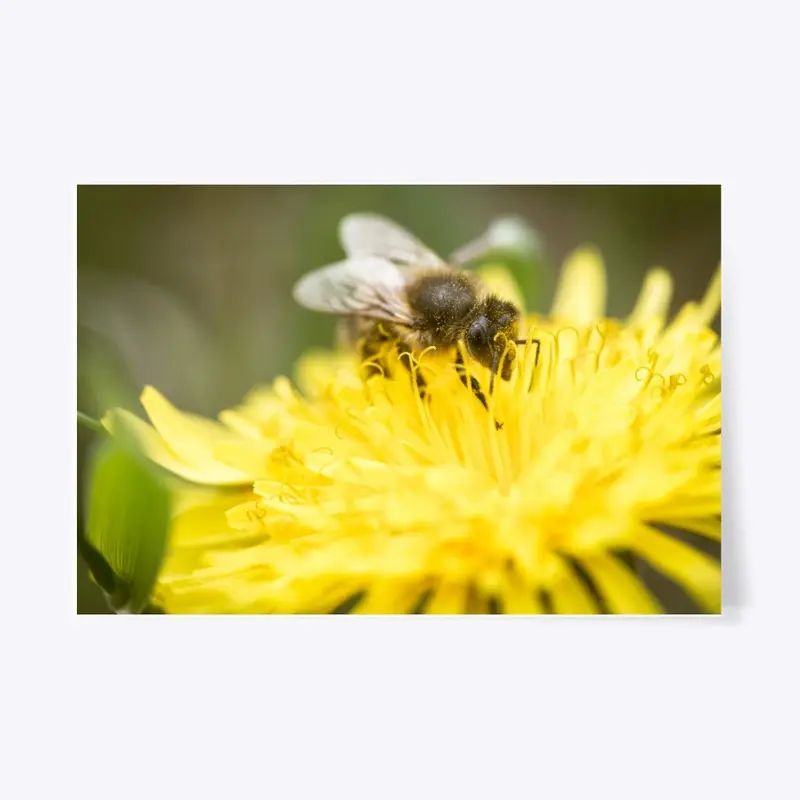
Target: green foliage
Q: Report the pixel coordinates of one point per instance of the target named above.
(128, 521)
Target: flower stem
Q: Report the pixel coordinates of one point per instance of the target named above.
(90, 423)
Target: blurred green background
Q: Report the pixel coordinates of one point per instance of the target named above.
(188, 287)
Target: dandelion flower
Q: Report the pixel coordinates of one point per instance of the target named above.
(345, 490)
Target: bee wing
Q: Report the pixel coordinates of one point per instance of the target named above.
(365, 235)
(505, 233)
(364, 287)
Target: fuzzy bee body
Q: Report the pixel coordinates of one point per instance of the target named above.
(392, 291)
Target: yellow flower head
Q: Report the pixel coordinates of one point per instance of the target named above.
(350, 488)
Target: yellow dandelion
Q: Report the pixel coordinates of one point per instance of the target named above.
(342, 490)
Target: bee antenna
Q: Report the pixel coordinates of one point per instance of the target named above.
(520, 341)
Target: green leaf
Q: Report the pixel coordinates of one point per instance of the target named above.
(129, 514)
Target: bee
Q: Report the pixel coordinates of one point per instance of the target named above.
(393, 290)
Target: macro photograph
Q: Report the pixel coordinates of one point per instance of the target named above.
(399, 400)
(397, 349)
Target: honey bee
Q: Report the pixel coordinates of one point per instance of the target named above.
(392, 290)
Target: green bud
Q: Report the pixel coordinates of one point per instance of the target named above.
(129, 515)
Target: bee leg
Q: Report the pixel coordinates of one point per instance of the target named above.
(421, 386)
(474, 385)
(473, 381)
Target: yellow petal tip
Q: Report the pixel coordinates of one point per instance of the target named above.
(654, 298)
(149, 394)
(712, 300)
(581, 293)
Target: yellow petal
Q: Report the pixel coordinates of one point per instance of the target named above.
(192, 439)
(581, 294)
(501, 282)
(712, 299)
(570, 596)
(118, 422)
(697, 573)
(622, 590)
(260, 406)
(240, 423)
(710, 527)
(316, 368)
(448, 599)
(199, 524)
(250, 456)
(518, 598)
(199, 528)
(390, 597)
(654, 298)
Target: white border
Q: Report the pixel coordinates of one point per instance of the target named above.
(441, 93)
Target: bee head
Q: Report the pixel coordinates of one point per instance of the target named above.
(489, 334)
